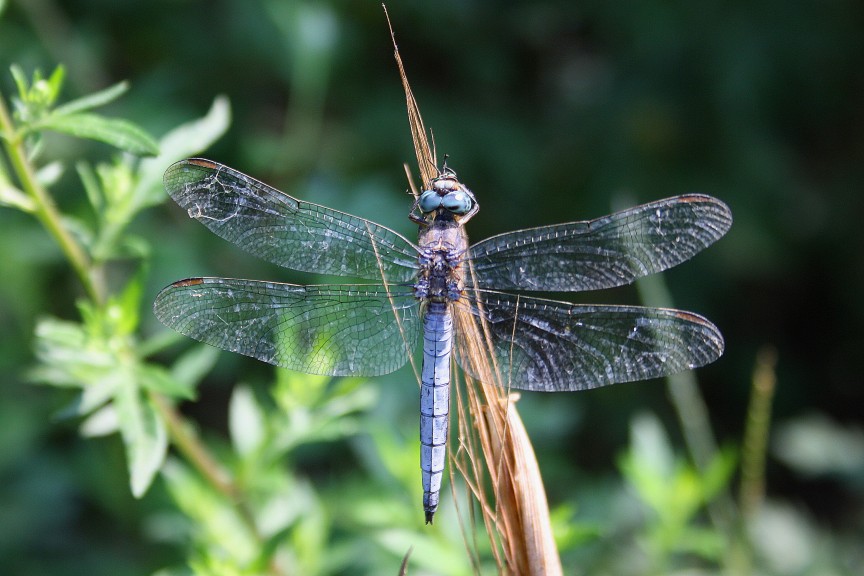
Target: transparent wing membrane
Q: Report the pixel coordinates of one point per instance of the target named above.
(551, 346)
(610, 251)
(340, 330)
(285, 231)
(506, 339)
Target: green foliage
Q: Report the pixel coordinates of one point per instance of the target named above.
(98, 357)
(246, 507)
(98, 354)
(582, 101)
(674, 493)
(571, 532)
(35, 111)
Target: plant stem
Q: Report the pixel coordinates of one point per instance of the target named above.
(198, 455)
(692, 411)
(739, 559)
(756, 433)
(45, 209)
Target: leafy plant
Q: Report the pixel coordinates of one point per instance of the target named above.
(100, 354)
(673, 493)
(242, 506)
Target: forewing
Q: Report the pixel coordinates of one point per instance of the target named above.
(610, 251)
(556, 346)
(285, 231)
(340, 330)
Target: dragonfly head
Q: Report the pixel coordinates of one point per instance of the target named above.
(447, 197)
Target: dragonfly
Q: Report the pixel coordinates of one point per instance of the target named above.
(371, 329)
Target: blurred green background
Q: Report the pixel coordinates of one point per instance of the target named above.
(550, 111)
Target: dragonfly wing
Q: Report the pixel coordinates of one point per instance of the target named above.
(340, 330)
(610, 251)
(549, 346)
(285, 231)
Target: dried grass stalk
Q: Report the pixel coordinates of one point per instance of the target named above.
(494, 449)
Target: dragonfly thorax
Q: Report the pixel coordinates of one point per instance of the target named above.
(438, 279)
(442, 247)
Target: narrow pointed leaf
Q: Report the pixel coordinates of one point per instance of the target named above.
(246, 420)
(91, 186)
(144, 436)
(20, 81)
(117, 132)
(55, 83)
(157, 379)
(188, 139)
(191, 367)
(14, 198)
(93, 100)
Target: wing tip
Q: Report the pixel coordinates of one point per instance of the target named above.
(710, 334)
(203, 162)
(187, 282)
(721, 213)
(185, 163)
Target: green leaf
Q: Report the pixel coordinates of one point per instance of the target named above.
(14, 198)
(102, 422)
(135, 247)
(144, 436)
(651, 443)
(20, 81)
(196, 135)
(703, 542)
(117, 180)
(719, 473)
(69, 357)
(50, 173)
(129, 304)
(221, 530)
(55, 83)
(93, 100)
(570, 532)
(37, 96)
(186, 140)
(79, 228)
(190, 368)
(91, 186)
(246, 421)
(158, 342)
(158, 379)
(119, 133)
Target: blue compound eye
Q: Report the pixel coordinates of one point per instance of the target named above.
(429, 201)
(457, 202)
